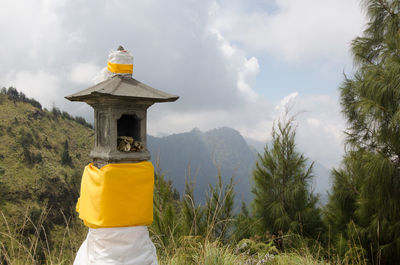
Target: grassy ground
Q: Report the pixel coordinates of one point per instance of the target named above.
(32, 243)
(17, 248)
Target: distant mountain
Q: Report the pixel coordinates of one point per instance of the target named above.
(257, 145)
(322, 181)
(202, 155)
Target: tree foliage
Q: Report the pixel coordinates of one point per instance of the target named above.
(14, 95)
(166, 207)
(65, 156)
(365, 199)
(283, 201)
(243, 225)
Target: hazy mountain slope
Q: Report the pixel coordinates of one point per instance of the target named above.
(181, 154)
(229, 149)
(206, 152)
(322, 181)
(234, 157)
(222, 148)
(258, 146)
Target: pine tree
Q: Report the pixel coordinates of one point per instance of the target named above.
(243, 224)
(165, 225)
(65, 157)
(365, 200)
(282, 198)
(339, 213)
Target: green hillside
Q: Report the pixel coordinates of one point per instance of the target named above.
(42, 156)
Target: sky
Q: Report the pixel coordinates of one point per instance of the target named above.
(235, 63)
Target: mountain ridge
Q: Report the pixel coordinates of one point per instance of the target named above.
(222, 150)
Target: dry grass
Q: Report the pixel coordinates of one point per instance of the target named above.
(17, 248)
(31, 243)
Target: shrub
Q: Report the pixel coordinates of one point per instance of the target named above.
(66, 159)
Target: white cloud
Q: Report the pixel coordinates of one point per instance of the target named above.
(294, 30)
(198, 50)
(43, 86)
(286, 103)
(320, 128)
(247, 76)
(84, 73)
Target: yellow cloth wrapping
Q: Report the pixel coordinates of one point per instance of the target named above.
(117, 195)
(120, 68)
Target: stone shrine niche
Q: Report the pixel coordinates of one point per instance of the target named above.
(131, 137)
(129, 125)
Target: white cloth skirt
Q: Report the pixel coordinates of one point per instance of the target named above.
(117, 246)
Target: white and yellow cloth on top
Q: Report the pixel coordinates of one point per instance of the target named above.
(116, 203)
(120, 62)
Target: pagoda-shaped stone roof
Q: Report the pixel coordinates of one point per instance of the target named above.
(120, 86)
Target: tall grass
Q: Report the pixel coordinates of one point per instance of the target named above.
(26, 241)
(59, 246)
(35, 241)
(215, 253)
(195, 250)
